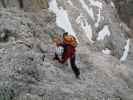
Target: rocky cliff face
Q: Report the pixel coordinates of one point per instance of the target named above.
(27, 5)
(125, 11)
(96, 23)
(104, 53)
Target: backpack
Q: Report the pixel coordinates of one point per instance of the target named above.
(70, 40)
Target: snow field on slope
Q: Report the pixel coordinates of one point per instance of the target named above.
(88, 10)
(62, 18)
(85, 26)
(126, 51)
(104, 32)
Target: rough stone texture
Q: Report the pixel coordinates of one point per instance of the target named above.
(125, 11)
(27, 71)
(26, 75)
(115, 42)
(27, 5)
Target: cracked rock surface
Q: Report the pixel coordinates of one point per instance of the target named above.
(27, 71)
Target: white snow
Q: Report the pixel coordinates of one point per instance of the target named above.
(106, 51)
(96, 3)
(124, 26)
(104, 32)
(70, 2)
(62, 19)
(88, 10)
(59, 50)
(85, 26)
(125, 54)
(112, 4)
(99, 18)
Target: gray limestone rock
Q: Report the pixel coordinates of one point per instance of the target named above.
(27, 71)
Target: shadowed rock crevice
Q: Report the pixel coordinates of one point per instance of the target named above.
(21, 4)
(3, 3)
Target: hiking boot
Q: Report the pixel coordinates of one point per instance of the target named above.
(43, 57)
(78, 77)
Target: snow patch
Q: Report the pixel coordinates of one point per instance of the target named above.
(85, 26)
(96, 3)
(62, 19)
(88, 10)
(104, 32)
(106, 51)
(99, 18)
(112, 4)
(70, 2)
(125, 54)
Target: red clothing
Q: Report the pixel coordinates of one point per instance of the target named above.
(68, 53)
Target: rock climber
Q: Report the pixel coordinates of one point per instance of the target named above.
(69, 44)
(60, 44)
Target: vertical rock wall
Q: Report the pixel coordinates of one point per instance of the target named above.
(25, 4)
(125, 11)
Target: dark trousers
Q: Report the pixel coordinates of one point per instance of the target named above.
(74, 67)
(72, 62)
